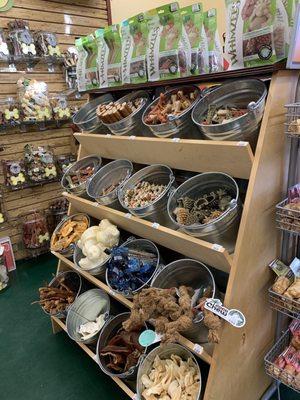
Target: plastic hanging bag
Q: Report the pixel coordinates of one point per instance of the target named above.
(60, 107)
(40, 164)
(21, 38)
(138, 62)
(91, 67)
(81, 65)
(46, 44)
(102, 58)
(215, 53)
(112, 38)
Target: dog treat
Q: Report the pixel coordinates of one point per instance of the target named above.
(46, 44)
(79, 176)
(170, 311)
(143, 194)
(60, 107)
(21, 38)
(56, 299)
(89, 329)
(122, 351)
(128, 270)
(294, 127)
(15, 175)
(115, 111)
(9, 112)
(39, 164)
(69, 233)
(172, 379)
(169, 107)
(202, 210)
(33, 97)
(210, 320)
(222, 114)
(35, 230)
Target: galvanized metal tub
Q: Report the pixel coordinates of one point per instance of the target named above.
(98, 271)
(86, 308)
(73, 281)
(244, 93)
(142, 245)
(192, 273)
(156, 211)
(109, 330)
(115, 172)
(164, 352)
(222, 230)
(80, 190)
(179, 126)
(68, 252)
(87, 119)
(132, 125)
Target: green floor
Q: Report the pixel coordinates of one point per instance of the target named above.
(37, 365)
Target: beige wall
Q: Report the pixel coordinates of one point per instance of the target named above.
(123, 9)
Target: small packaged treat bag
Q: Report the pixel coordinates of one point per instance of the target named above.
(60, 107)
(64, 162)
(15, 175)
(35, 230)
(58, 209)
(46, 44)
(34, 100)
(10, 114)
(21, 38)
(112, 36)
(40, 164)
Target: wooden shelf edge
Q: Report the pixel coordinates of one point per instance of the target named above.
(199, 350)
(89, 352)
(233, 158)
(208, 253)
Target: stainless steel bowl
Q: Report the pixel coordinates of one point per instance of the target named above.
(87, 119)
(164, 352)
(245, 93)
(86, 308)
(181, 125)
(80, 190)
(132, 125)
(114, 173)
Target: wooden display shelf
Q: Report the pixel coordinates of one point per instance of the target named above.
(118, 381)
(233, 158)
(211, 254)
(202, 351)
(266, 70)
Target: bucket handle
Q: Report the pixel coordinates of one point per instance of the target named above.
(253, 107)
(232, 206)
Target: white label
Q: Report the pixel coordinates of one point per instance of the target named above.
(242, 143)
(217, 247)
(176, 139)
(235, 317)
(128, 215)
(132, 137)
(198, 349)
(295, 267)
(155, 225)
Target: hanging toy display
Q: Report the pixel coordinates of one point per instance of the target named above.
(15, 176)
(39, 163)
(35, 231)
(60, 107)
(21, 38)
(9, 112)
(64, 162)
(46, 44)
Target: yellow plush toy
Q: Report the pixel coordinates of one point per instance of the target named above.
(15, 180)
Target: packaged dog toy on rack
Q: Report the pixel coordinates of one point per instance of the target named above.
(9, 112)
(46, 44)
(64, 162)
(40, 164)
(60, 107)
(70, 60)
(35, 231)
(15, 175)
(35, 103)
(21, 39)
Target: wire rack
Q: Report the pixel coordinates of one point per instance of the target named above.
(292, 124)
(287, 219)
(276, 372)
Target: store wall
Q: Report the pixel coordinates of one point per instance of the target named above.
(122, 9)
(68, 19)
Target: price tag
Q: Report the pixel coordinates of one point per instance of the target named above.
(108, 135)
(176, 139)
(128, 215)
(242, 143)
(197, 348)
(155, 225)
(217, 247)
(132, 137)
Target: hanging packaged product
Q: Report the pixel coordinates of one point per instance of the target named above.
(127, 48)
(40, 164)
(15, 175)
(102, 57)
(215, 53)
(192, 18)
(139, 33)
(46, 44)
(91, 68)
(256, 32)
(4, 51)
(168, 54)
(60, 108)
(35, 231)
(21, 38)
(9, 112)
(112, 38)
(34, 100)
(81, 65)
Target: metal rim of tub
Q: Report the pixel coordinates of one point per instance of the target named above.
(99, 270)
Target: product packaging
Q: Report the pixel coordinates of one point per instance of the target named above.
(9, 112)
(60, 108)
(81, 65)
(34, 100)
(192, 18)
(35, 231)
(4, 51)
(15, 175)
(168, 54)
(21, 38)
(46, 44)
(102, 58)
(91, 67)
(255, 33)
(39, 164)
(112, 38)
(215, 53)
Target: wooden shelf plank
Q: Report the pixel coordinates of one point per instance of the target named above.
(202, 351)
(89, 352)
(266, 70)
(233, 158)
(215, 256)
